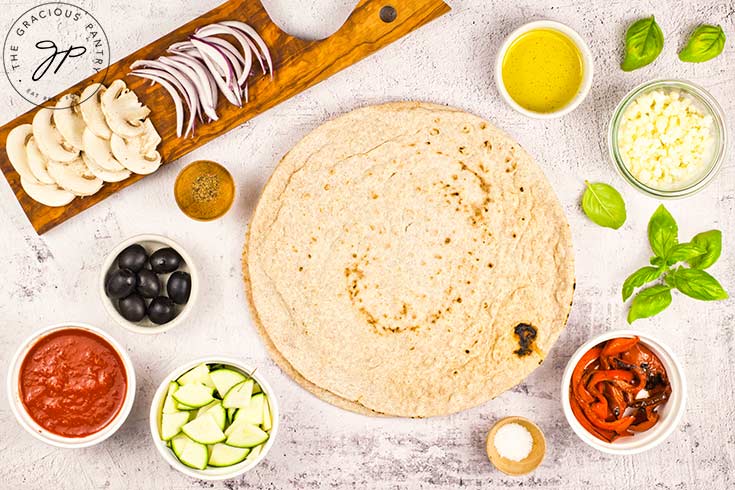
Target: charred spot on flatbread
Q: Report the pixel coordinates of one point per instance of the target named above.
(526, 335)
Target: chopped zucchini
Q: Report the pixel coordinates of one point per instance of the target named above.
(267, 420)
(169, 405)
(216, 410)
(191, 453)
(193, 395)
(239, 395)
(245, 435)
(204, 430)
(253, 413)
(171, 424)
(197, 375)
(224, 379)
(255, 452)
(224, 455)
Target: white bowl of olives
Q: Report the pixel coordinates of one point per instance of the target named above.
(148, 284)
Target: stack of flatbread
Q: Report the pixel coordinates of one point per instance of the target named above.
(408, 259)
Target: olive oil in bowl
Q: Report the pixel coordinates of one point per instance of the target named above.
(545, 71)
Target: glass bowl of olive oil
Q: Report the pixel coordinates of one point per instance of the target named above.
(544, 69)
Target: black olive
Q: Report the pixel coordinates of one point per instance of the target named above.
(165, 260)
(120, 283)
(134, 258)
(179, 287)
(148, 285)
(161, 310)
(132, 308)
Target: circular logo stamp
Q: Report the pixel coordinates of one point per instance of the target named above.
(51, 47)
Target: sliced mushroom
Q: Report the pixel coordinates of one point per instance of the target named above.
(98, 150)
(49, 140)
(92, 110)
(48, 195)
(37, 162)
(68, 119)
(15, 147)
(123, 111)
(138, 154)
(75, 177)
(103, 173)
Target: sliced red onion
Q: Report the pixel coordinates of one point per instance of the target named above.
(246, 29)
(239, 61)
(197, 74)
(174, 95)
(236, 59)
(221, 67)
(195, 61)
(178, 80)
(205, 65)
(212, 30)
(180, 46)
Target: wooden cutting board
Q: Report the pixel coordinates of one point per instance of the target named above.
(298, 65)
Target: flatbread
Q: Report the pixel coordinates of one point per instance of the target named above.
(408, 259)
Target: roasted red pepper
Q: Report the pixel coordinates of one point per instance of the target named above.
(606, 385)
(616, 346)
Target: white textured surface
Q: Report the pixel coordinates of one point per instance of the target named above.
(450, 61)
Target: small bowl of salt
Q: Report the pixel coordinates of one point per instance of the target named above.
(516, 446)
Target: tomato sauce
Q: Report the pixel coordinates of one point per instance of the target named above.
(72, 382)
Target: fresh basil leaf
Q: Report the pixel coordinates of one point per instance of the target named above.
(697, 284)
(649, 302)
(604, 205)
(705, 43)
(657, 261)
(644, 41)
(711, 242)
(663, 233)
(684, 252)
(642, 276)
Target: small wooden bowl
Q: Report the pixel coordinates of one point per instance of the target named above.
(532, 461)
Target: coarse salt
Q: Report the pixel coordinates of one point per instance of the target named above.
(513, 442)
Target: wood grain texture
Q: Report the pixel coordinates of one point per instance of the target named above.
(298, 65)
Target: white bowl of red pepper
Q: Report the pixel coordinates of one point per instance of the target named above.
(623, 392)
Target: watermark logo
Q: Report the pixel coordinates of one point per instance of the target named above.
(51, 47)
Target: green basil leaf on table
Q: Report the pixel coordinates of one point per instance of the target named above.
(604, 205)
(684, 252)
(705, 43)
(711, 242)
(649, 302)
(663, 233)
(644, 41)
(697, 284)
(642, 276)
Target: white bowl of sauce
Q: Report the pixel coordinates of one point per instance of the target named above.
(544, 69)
(71, 385)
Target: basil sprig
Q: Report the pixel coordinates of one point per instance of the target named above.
(644, 41)
(649, 302)
(603, 205)
(711, 243)
(693, 281)
(706, 42)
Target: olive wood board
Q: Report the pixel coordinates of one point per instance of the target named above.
(298, 65)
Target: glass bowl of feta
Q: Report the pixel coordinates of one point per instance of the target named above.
(668, 138)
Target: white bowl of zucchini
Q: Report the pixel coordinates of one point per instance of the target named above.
(214, 418)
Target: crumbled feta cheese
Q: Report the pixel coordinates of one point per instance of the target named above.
(665, 139)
